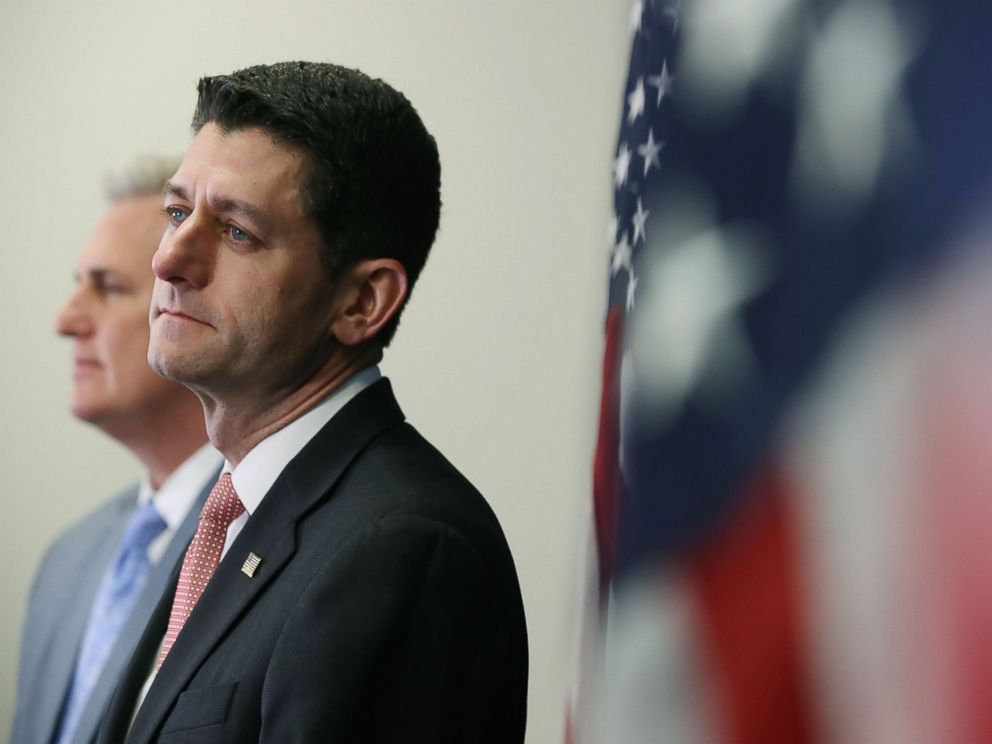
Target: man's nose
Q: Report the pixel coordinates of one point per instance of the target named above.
(185, 255)
(74, 319)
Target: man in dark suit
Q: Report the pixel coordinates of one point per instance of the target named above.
(346, 583)
(101, 579)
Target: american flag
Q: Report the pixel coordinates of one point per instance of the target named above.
(792, 504)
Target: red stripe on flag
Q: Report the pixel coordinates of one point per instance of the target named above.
(957, 528)
(606, 466)
(745, 582)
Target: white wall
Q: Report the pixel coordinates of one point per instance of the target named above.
(497, 360)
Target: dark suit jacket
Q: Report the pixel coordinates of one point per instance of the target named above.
(386, 608)
(59, 608)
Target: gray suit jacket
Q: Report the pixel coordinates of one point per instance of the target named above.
(59, 608)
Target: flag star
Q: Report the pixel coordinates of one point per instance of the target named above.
(621, 165)
(621, 256)
(631, 289)
(636, 16)
(649, 151)
(730, 45)
(852, 101)
(663, 81)
(611, 231)
(688, 314)
(635, 101)
(640, 219)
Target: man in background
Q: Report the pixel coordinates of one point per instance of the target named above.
(101, 579)
(346, 583)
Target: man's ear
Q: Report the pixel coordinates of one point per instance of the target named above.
(372, 292)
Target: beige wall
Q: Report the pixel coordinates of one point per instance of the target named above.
(498, 357)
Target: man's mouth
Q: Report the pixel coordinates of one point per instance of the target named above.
(84, 365)
(181, 315)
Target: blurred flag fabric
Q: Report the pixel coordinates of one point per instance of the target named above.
(791, 533)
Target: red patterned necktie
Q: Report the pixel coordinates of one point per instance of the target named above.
(221, 508)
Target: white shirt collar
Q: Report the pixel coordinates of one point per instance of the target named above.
(255, 474)
(178, 492)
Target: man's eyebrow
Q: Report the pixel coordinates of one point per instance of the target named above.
(96, 274)
(221, 203)
(174, 189)
(227, 204)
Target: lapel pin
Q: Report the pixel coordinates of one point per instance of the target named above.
(251, 564)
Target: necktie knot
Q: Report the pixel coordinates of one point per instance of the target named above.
(223, 505)
(142, 528)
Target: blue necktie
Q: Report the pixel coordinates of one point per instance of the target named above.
(119, 590)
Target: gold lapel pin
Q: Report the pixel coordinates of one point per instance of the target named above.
(251, 564)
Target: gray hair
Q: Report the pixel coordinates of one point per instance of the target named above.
(146, 174)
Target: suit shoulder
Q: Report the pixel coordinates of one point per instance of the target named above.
(407, 455)
(402, 479)
(77, 540)
(407, 474)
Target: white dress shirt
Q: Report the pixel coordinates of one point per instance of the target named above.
(255, 474)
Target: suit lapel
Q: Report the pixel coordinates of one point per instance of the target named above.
(270, 533)
(69, 618)
(158, 582)
(222, 602)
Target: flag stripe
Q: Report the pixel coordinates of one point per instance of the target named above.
(746, 591)
(607, 480)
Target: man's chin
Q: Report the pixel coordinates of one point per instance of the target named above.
(171, 365)
(169, 368)
(88, 411)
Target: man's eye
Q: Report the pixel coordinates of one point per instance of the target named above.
(175, 214)
(238, 235)
(106, 288)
